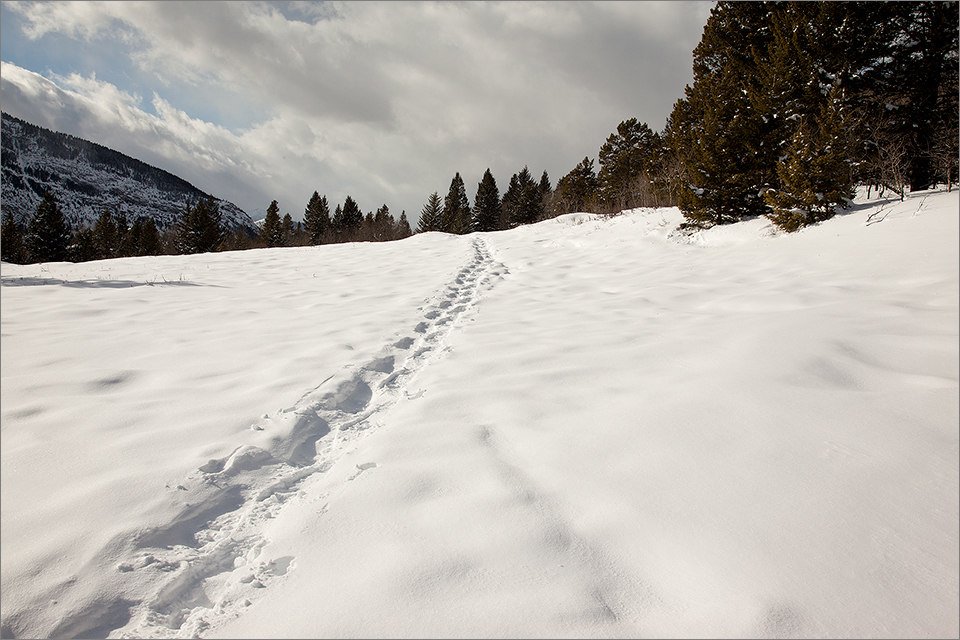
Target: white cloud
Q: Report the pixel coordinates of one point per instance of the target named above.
(382, 101)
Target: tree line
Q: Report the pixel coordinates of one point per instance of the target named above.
(48, 236)
(792, 105)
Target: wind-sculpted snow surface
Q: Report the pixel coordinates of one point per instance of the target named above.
(588, 427)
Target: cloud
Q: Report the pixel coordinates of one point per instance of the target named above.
(381, 101)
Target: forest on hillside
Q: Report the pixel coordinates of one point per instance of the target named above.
(792, 106)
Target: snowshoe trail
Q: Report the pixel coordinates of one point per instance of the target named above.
(206, 564)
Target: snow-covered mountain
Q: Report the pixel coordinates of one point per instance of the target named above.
(87, 178)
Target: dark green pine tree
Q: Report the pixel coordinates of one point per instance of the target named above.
(201, 228)
(403, 229)
(352, 218)
(105, 236)
(457, 217)
(815, 174)
(486, 204)
(316, 218)
(143, 239)
(431, 215)
(726, 161)
(523, 201)
(83, 246)
(627, 155)
(577, 190)
(288, 230)
(531, 199)
(545, 186)
(11, 241)
(48, 236)
(271, 233)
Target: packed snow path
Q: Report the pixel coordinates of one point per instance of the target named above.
(199, 560)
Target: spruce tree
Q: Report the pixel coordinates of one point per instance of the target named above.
(457, 217)
(431, 214)
(316, 218)
(403, 227)
(287, 230)
(105, 236)
(815, 175)
(48, 236)
(627, 154)
(545, 187)
(351, 217)
(577, 190)
(11, 241)
(201, 229)
(271, 233)
(486, 204)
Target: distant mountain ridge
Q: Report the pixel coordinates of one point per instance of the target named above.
(87, 178)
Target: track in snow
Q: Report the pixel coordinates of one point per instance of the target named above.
(205, 564)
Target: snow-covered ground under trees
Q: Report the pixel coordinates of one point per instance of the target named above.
(589, 427)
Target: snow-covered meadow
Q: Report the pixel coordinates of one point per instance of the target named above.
(588, 427)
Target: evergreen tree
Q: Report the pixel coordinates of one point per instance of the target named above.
(201, 228)
(523, 201)
(545, 187)
(11, 241)
(351, 217)
(486, 204)
(577, 190)
(271, 233)
(83, 247)
(143, 238)
(627, 158)
(431, 215)
(287, 230)
(336, 224)
(815, 176)
(403, 227)
(316, 218)
(457, 217)
(48, 235)
(106, 237)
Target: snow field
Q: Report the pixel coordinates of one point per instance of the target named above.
(587, 427)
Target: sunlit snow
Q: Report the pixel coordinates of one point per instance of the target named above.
(588, 427)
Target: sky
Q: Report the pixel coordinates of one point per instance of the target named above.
(382, 101)
(590, 427)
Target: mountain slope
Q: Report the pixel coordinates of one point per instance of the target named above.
(87, 177)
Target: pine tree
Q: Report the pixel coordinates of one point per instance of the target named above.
(545, 187)
(11, 241)
(143, 238)
(577, 190)
(431, 214)
(352, 216)
(486, 204)
(457, 217)
(523, 201)
(105, 236)
(83, 246)
(271, 233)
(403, 227)
(531, 200)
(201, 229)
(48, 235)
(815, 176)
(628, 155)
(316, 218)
